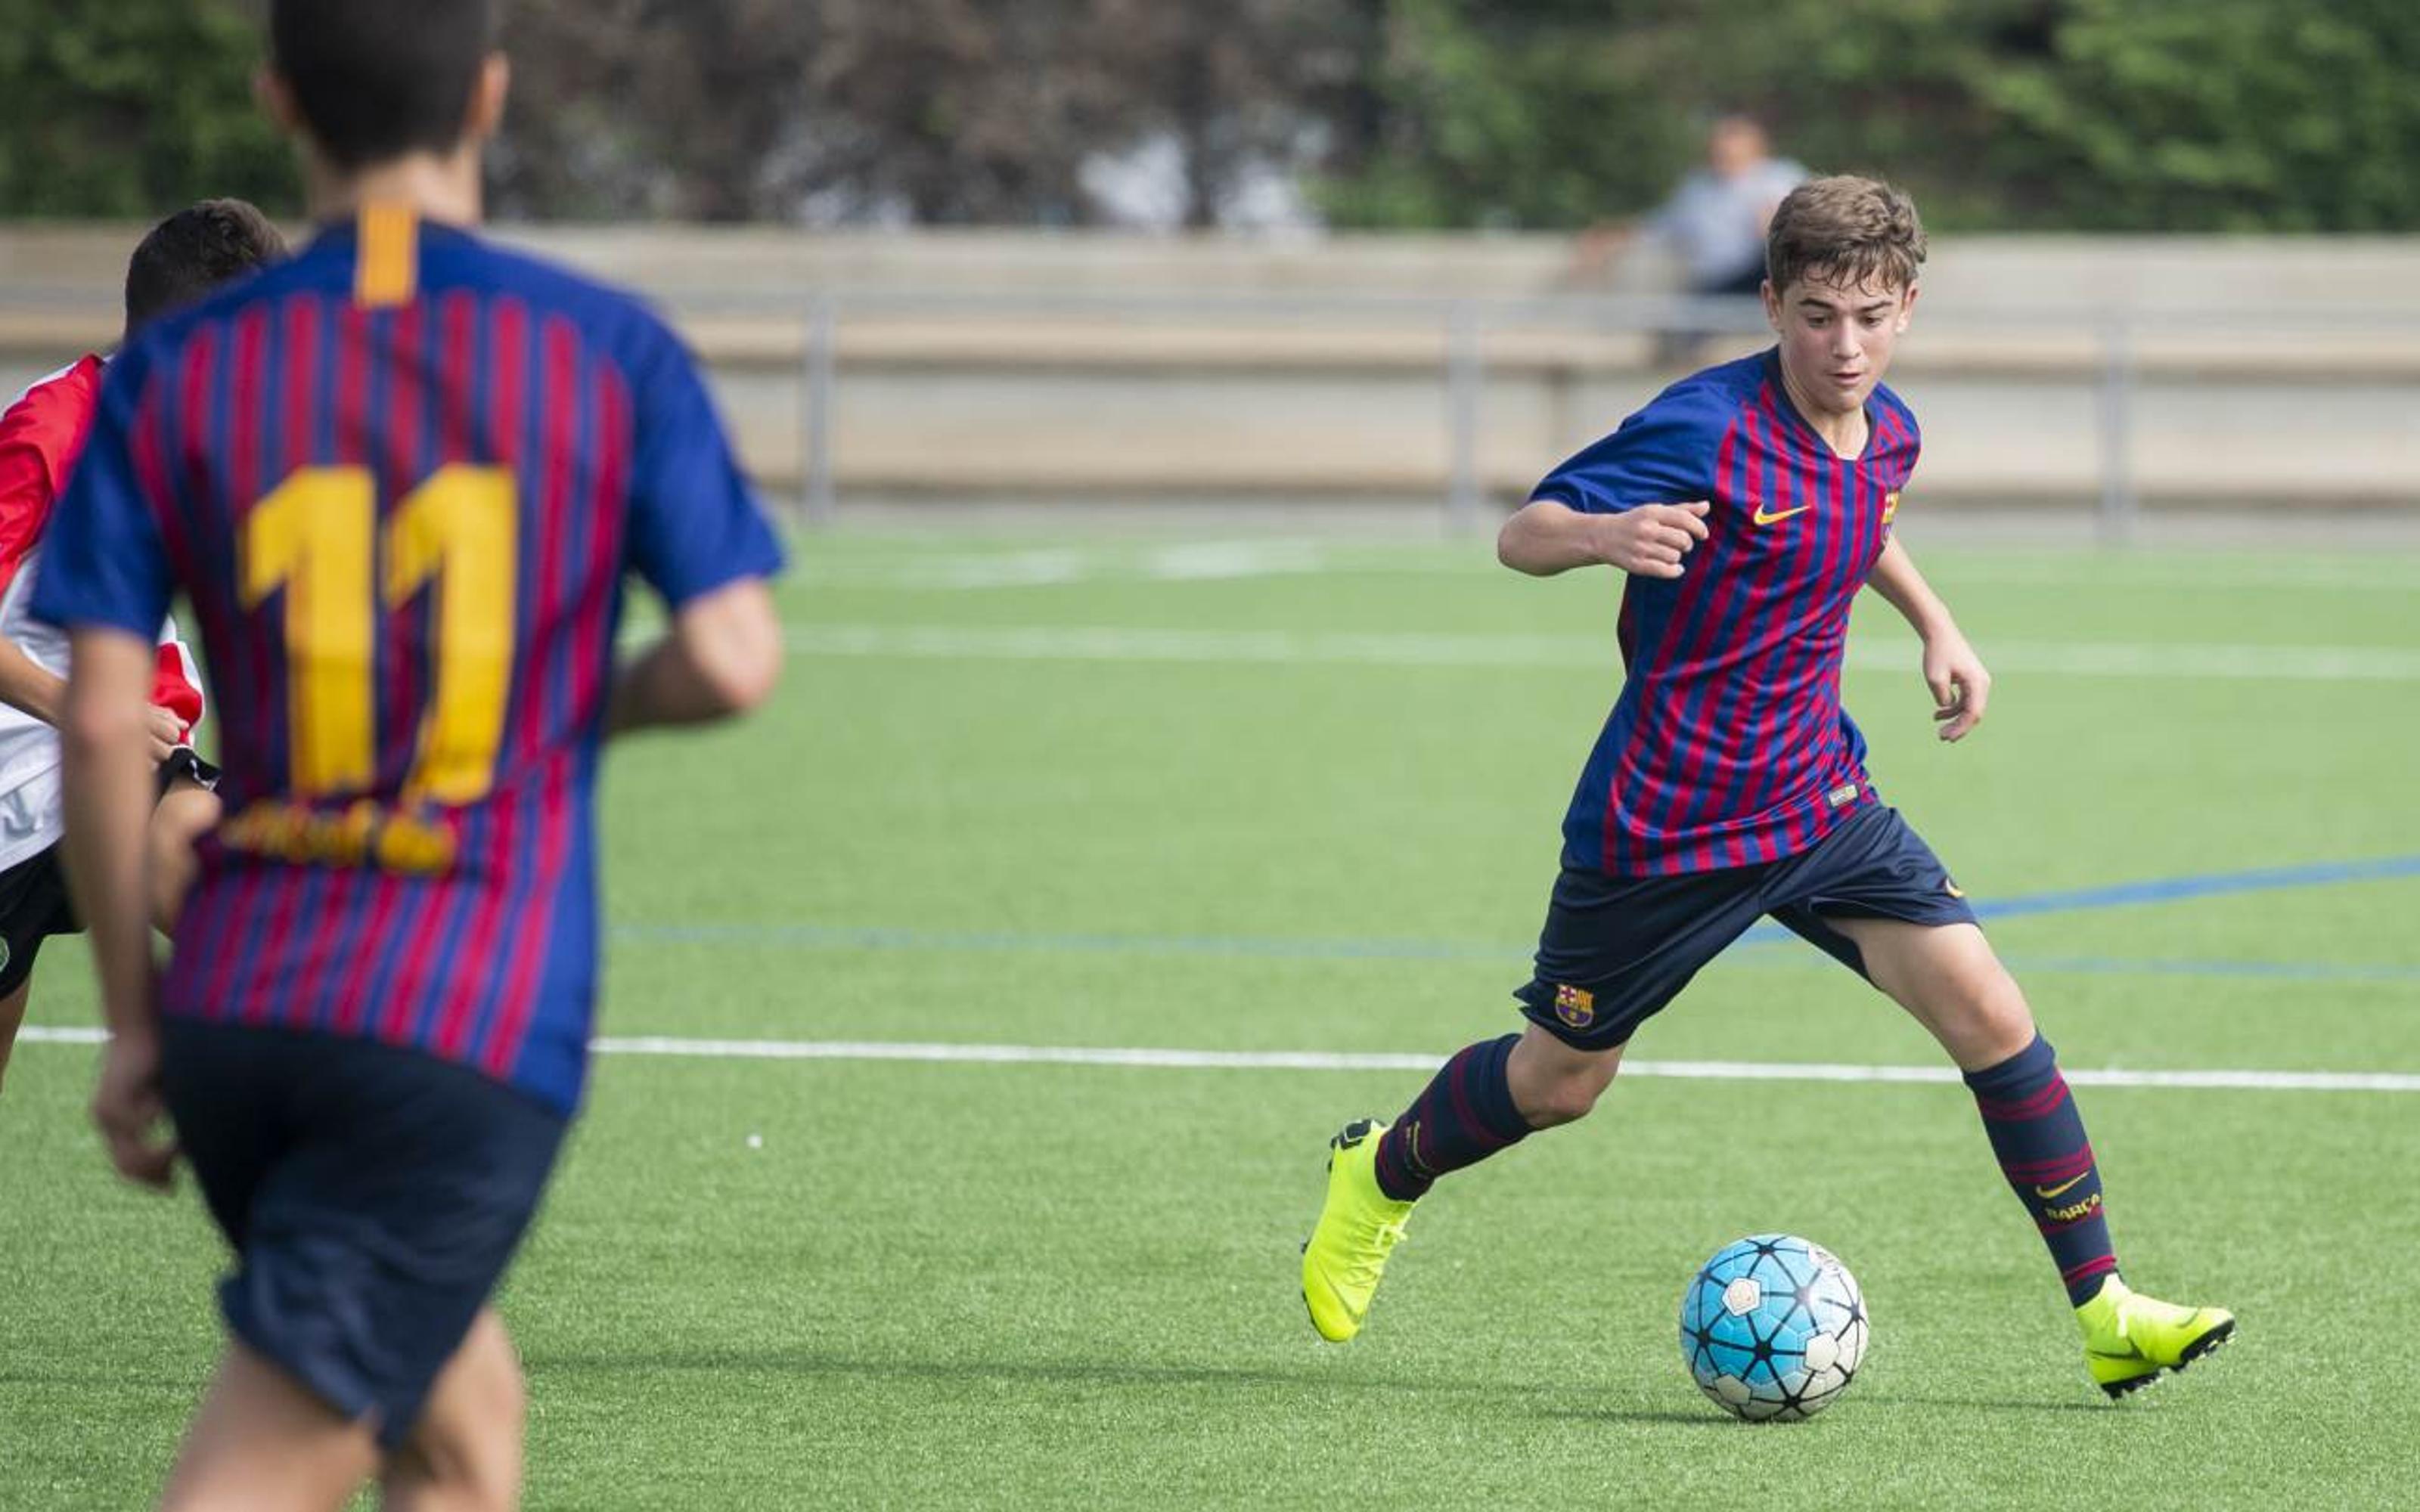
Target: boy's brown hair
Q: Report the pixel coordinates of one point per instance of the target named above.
(194, 251)
(1845, 229)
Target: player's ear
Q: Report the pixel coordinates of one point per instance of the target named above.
(487, 97)
(1906, 308)
(1772, 298)
(275, 98)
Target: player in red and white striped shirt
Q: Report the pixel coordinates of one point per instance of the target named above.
(41, 433)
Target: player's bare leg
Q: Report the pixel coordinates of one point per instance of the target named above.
(1948, 977)
(262, 1443)
(1553, 1083)
(12, 1018)
(184, 813)
(465, 1453)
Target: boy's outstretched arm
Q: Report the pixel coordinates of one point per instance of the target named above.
(1545, 537)
(1961, 686)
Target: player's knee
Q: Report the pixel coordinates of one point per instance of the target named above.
(1565, 1099)
(1553, 1082)
(1988, 1023)
(473, 1469)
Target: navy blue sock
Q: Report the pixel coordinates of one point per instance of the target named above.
(1465, 1114)
(2038, 1137)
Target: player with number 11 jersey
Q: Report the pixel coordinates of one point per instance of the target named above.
(402, 479)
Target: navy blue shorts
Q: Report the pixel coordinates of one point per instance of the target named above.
(1616, 950)
(373, 1195)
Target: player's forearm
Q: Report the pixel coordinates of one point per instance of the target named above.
(1904, 588)
(1543, 538)
(661, 686)
(26, 683)
(721, 658)
(107, 780)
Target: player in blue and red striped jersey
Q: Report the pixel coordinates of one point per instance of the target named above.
(401, 478)
(1750, 504)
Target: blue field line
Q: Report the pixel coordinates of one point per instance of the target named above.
(839, 936)
(1510, 956)
(2267, 879)
(2172, 889)
(2258, 971)
(2082, 899)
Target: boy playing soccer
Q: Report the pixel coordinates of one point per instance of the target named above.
(400, 478)
(181, 259)
(1748, 504)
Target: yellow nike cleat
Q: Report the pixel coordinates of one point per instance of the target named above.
(1360, 1227)
(2130, 1338)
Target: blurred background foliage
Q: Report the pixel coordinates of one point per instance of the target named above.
(2019, 115)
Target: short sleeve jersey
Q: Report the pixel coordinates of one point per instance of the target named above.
(402, 478)
(41, 433)
(1729, 746)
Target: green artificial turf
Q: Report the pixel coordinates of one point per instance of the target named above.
(982, 1285)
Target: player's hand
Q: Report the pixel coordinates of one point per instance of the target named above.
(166, 731)
(1961, 688)
(1651, 540)
(128, 1108)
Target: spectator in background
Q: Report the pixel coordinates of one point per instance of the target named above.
(1713, 224)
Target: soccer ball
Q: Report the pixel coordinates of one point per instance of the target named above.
(1774, 1328)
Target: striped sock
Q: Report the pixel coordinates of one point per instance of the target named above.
(1465, 1114)
(2038, 1137)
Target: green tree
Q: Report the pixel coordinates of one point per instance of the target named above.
(1552, 113)
(2092, 115)
(2215, 115)
(133, 108)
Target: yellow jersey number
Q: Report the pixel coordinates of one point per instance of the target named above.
(456, 534)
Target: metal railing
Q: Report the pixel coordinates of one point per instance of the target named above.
(1475, 338)
(1469, 331)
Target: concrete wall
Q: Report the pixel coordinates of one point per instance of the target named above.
(2261, 371)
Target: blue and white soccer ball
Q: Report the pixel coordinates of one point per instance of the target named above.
(1774, 1328)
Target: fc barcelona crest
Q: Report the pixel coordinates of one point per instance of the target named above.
(1575, 1005)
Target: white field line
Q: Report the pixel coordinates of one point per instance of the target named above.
(1175, 561)
(1720, 1070)
(2378, 664)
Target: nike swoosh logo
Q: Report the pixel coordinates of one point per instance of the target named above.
(2047, 1192)
(1763, 519)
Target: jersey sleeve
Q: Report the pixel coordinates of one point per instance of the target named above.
(1663, 454)
(35, 438)
(177, 684)
(27, 492)
(694, 521)
(103, 563)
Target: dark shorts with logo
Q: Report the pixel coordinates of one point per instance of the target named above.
(374, 1196)
(1616, 950)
